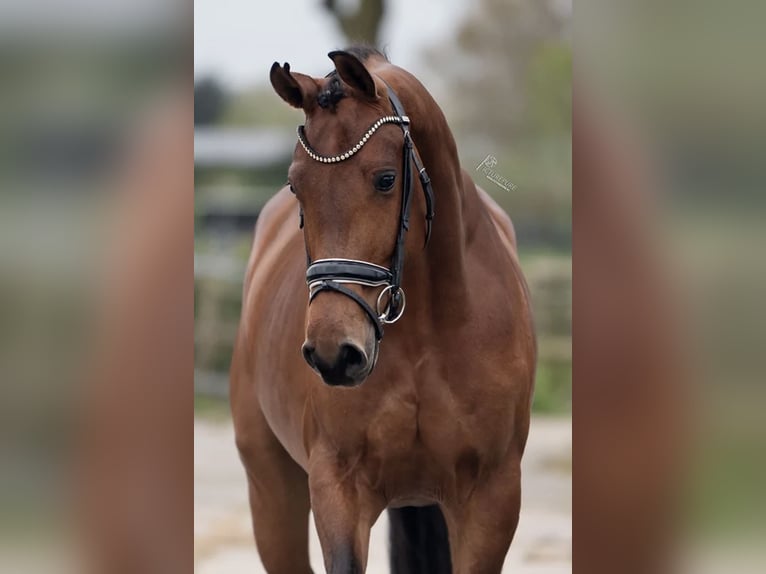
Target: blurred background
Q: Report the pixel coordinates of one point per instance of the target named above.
(670, 141)
(502, 73)
(96, 245)
(95, 137)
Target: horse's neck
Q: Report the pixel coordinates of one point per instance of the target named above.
(438, 276)
(444, 263)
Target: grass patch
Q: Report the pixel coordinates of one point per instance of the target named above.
(211, 408)
(553, 387)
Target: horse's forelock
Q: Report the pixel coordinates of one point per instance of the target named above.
(332, 93)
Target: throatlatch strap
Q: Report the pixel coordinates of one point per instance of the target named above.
(422, 173)
(428, 193)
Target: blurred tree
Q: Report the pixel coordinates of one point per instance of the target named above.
(512, 57)
(209, 102)
(505, 84)
(359, 22)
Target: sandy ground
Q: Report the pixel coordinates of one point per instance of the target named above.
(223, 542)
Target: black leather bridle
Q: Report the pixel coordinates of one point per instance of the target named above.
(334, 274)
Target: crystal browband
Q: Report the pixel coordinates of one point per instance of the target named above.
(401, 120)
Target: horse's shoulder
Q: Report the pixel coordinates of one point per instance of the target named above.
(273, 232)
(275, 212)
(274, 265)
(500, 218)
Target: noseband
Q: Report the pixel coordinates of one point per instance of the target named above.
(334, 274)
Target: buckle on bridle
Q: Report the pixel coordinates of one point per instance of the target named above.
(393, 293)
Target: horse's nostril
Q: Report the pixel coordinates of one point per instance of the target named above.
(346, 366)
(308, 354)
(352, 356)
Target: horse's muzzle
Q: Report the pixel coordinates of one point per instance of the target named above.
(348, 368)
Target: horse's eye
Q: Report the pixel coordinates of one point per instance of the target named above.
(385, 181)
(292, 189)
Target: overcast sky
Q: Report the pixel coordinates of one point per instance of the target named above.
(238, 40)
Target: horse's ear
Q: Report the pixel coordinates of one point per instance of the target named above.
(298, 90)
(353, 72)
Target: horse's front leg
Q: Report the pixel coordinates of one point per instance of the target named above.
(344, 512)
(483, 520)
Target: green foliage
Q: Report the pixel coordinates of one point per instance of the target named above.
(553, 386)
(549, 275)
(211, 408)
(549, 88)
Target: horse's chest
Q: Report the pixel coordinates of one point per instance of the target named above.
(418, 445)
(419, 438)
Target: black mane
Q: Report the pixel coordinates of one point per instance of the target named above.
(364, 51)
(332, 92)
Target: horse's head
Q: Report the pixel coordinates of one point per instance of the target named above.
(349, 185)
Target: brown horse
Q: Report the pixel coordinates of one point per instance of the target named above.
(437, 429)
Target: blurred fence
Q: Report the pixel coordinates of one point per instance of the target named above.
(236, 171)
